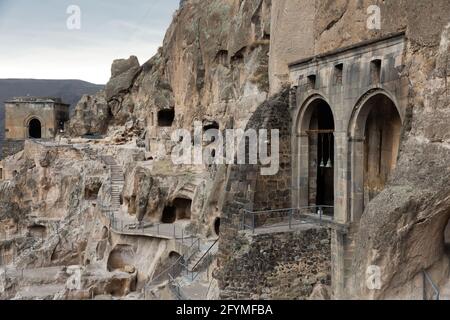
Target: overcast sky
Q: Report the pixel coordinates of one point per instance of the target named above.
(35, 41)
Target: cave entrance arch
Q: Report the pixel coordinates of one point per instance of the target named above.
(179, 209)
(169, 214)
(182, 208)
(375, 137)
(34, 129)
(166, 117)
(316, 155)
(217, 226)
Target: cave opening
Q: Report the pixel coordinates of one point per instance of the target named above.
(222, 57)
(120, 257)
(211, 126)
(91, 191)
(166, 117)
(37, 231)
(179, 209)
(183, 208)
(169, 214)
(217, 226)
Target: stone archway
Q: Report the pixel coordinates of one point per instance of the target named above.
(315, 154)
(375, 131)
(34, 129)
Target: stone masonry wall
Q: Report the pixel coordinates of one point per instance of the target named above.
(283, 265)
(246, 188)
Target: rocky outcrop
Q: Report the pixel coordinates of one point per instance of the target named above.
(212, 68)
(143, 197)
(123, 74)
(91, 116)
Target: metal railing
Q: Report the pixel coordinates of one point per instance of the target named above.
(173, 268)
(163, 230)
(290, 217)
(206, 258)
(208, 252)
(175, 287)
(428, 283)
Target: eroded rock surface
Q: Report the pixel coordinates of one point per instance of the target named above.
(222, 63)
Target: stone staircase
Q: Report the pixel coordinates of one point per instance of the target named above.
(117, 182)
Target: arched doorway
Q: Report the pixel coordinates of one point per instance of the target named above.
(34, 129)
(183, 208)
(316, 161)
(375, 144)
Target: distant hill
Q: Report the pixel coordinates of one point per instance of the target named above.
(69, 90)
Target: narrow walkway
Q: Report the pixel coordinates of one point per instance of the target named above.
(128, 226)
(191, 283)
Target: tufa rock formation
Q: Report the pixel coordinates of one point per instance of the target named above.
(104, 213)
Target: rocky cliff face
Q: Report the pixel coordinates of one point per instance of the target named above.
(220, 62)
(402, 230)
(212, 67)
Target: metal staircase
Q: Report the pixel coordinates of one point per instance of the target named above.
(192, 265)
